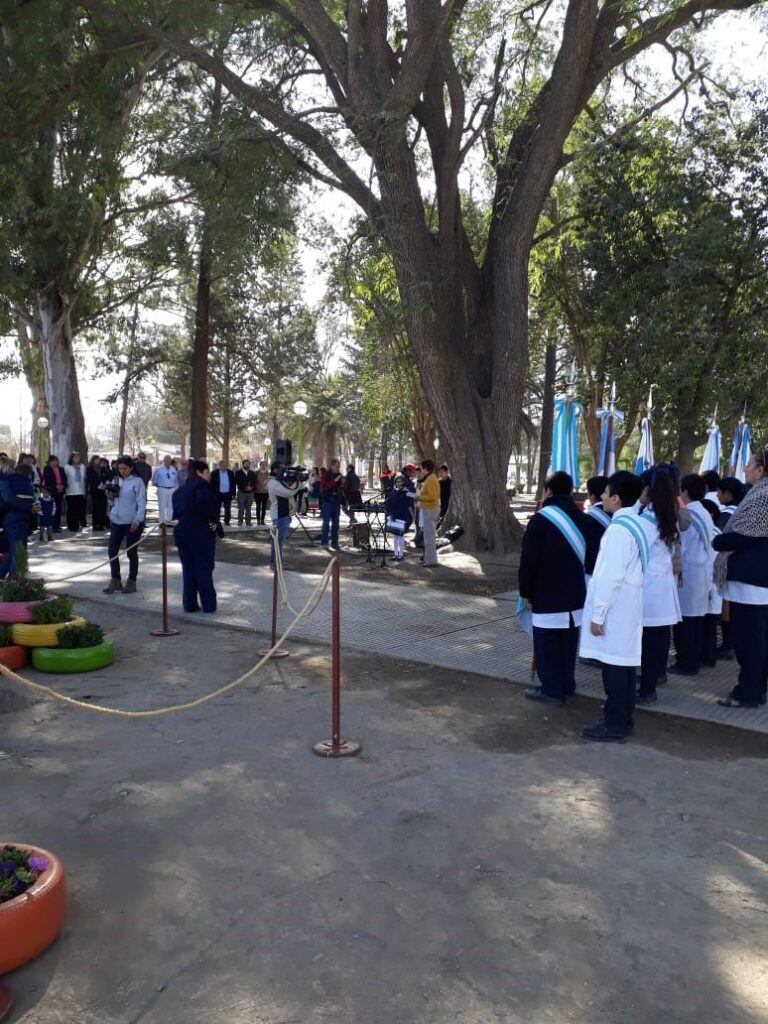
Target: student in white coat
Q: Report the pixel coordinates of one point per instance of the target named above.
(612, 628)
(661, 603)
(696, 547)
(715, 600)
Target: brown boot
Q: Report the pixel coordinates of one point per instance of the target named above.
(114, 587)
(130, 587)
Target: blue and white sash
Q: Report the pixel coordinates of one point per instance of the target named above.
(649, 517)
(632, 526)
(700, 525)
(566, 526)
(599, 513)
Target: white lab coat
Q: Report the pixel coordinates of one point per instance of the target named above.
(697, 571)
(615, 598)
(661, 601)
(715, 603)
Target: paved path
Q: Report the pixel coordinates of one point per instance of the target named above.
(435, 627)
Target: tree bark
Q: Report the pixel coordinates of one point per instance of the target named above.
(31, 356)
(547, 417)
(61, 389)
(689, 439)
(201, 347)
(226, 412)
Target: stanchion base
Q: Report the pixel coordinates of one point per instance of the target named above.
(164, 632)
(348, 748)
(274, 654)
(6, 1001)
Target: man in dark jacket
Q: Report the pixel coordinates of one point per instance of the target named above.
(559, 547)
(196, 507)
(142, 469)
(245, 481)
(223, 484)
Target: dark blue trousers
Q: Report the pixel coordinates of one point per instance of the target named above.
(656, 641)
(749, 630)
(689, 636)
(197, 555)
(330, 511)
(709, 641)
(555, 651)
(619, 686)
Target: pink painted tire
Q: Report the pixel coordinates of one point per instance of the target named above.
(17, 611)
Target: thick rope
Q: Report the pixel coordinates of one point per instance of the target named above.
(100, 565)
(284, 599)
(46, 691)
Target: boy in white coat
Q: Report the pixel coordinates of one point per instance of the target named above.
(696, 545)
(612, 629)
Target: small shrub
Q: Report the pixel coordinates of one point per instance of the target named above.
(89, 635)
(5, 636)
(22, 590)
(59, 609)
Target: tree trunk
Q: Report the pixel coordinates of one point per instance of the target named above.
(61, 389)
(689, 439)
(226, 412)
(371, 462)
(126, 389)
(201, 347)
(547, 417)
(31, 356)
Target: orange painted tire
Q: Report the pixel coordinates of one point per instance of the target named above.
(30, 922)
(14, 657)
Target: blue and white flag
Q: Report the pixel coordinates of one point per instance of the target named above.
(741, 452)
(565, 439)
(711, 459)
(609, 418)
(644, 459)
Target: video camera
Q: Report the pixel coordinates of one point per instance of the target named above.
(291, 475)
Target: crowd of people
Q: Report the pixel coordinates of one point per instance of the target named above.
(654, 558)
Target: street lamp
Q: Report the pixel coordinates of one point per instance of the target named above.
(300, 408)
(42, 426)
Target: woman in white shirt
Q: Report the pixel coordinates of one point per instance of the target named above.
(75, 493)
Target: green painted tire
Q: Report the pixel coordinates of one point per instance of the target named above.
(75, 659)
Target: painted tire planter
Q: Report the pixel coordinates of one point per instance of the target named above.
(30, 922)
(43, 635)
(17, 611)
(14, 657)
(74, 659)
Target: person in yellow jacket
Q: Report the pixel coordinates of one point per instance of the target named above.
(429, 502)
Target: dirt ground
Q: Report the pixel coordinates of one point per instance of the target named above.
(478, 862)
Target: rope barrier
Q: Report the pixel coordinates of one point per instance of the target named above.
(309, 606)
(100, 565)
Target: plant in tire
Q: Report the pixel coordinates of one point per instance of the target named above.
(59, 609)
(19, 869)
(6, 639)
(72, 637)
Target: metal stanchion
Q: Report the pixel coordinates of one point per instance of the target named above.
(282, 653)
(335, 747)
(165, 630)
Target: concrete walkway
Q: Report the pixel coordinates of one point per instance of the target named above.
(434, 627)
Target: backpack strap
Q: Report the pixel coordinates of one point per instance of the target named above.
(568, 529)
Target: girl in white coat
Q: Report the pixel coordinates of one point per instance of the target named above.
(612, 620)
(661, 602)
(696, 547)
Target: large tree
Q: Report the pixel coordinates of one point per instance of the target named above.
(413, 81)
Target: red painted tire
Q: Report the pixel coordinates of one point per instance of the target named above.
(30, 922)
(14, 656)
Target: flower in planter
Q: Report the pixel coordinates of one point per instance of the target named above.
(18, 871)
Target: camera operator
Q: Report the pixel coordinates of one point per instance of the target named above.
(127, 499)
(330, 502)
(282, 493)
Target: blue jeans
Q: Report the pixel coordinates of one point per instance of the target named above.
(331, 511)
(282, 525)
(119, 532)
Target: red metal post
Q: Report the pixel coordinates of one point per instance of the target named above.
(282, 653)
(165, 630)
(335, 747)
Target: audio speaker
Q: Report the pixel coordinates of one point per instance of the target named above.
(283, 451)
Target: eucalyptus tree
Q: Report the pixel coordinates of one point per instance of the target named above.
(405, 92)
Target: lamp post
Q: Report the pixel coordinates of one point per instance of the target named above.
(300, 408)
(267, 443)
(42, 426)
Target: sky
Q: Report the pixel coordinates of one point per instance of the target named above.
(734, 42)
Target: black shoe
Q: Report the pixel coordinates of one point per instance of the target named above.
(196, 608)
(662, 680)
(732, 702)
(602, 734)
(643, 699)
(675, 670)
(540, 697)
(725, 654)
